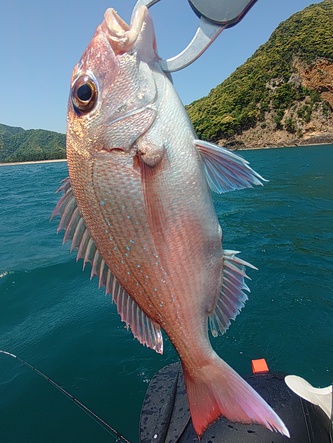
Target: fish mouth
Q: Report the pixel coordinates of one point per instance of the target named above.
(120, 35)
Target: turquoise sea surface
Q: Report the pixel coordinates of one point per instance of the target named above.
(52, 316)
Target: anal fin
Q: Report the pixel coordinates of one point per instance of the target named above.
(232, 297)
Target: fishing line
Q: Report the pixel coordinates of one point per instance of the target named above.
(84, 408)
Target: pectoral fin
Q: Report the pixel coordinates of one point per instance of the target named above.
(143, 329)
(232, 297)
(226, 171)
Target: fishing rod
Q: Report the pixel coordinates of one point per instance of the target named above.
(84, 408)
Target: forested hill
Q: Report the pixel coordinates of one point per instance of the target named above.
(283, 94)
(19, 145)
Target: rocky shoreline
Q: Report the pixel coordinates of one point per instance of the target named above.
(243, 144)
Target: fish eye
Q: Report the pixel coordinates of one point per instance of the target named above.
(84, 94)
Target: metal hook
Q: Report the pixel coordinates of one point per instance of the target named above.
(215, 16)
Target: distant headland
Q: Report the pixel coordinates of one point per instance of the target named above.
(282, 95)
(19, 145)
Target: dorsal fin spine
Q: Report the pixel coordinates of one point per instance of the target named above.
(72, 223)
(78, 233)
(67, 213)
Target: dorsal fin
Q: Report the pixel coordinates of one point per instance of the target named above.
(232, 298)
(226, 171)
(147, 332)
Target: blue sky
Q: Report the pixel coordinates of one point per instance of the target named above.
(42, 40)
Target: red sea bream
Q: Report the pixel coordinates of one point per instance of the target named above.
(138, 207)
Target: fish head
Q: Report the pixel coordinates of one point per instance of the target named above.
(113, 92)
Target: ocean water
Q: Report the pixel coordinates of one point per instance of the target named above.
(52, 316)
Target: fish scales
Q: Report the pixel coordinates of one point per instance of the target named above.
(138, 260)
(137, 205)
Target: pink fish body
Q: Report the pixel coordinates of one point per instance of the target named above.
(137, 205)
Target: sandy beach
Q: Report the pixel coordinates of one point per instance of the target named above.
(33, 163)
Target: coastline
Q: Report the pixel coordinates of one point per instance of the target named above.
(246, 143)
(254, 148)
(231, 148)
(34, 162)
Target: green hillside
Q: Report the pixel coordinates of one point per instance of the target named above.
(270, 82)
(19, 145)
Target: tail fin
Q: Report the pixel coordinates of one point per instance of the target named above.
(216, 389)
